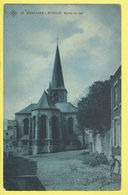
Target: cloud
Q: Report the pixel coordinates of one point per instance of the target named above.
(89, 48)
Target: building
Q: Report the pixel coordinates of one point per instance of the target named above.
(10, 129)
(116, 114)
(49, 125)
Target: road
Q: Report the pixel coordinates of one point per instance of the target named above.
(66, 171)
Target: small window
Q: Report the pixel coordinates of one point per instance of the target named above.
(115, 95)
(10, 127)
(56, 97)
(115, 132)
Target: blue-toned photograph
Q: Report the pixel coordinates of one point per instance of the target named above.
(62, 97)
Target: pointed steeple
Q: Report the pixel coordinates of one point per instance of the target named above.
(57, 76)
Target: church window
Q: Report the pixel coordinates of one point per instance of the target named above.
(26, 126)
(56, 98)
(70, 126)
(43, 127)
(34, 126)
(54, 127)
(30, 131)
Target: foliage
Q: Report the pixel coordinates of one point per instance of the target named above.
(94, 159)
(94, 110)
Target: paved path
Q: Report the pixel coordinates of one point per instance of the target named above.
(66, 171)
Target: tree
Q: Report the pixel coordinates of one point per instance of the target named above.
(94, 110)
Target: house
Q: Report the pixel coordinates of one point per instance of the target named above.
(116, 115)
(10, 130)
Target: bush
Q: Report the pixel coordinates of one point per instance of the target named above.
(94, 159)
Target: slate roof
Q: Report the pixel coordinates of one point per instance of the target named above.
(27, 110)
(66, 107)
(57, 76)
(45, 102)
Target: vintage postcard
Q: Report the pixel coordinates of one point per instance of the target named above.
(62, 94)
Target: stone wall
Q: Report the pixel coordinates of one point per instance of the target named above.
(101, 144)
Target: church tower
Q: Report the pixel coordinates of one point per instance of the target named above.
(50, 125)
(57, 89)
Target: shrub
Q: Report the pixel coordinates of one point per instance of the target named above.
(94, 159)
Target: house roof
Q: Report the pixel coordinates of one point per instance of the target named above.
(66, 107)
(57, 76)
(27, 110)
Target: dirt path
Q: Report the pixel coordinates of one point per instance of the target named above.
(66, 171)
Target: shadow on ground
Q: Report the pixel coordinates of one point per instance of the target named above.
(20, 174)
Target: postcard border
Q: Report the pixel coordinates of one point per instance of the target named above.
(124, 105)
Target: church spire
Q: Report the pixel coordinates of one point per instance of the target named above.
(57, 89)
(57, 76)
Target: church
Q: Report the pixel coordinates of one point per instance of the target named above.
(50, 125)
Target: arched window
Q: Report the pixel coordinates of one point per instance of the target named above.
(70, 126)
(34, 126)
(43, 127)
(26, 126)
(30, 129)
(54, 127)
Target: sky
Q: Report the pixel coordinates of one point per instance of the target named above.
(89, 44)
